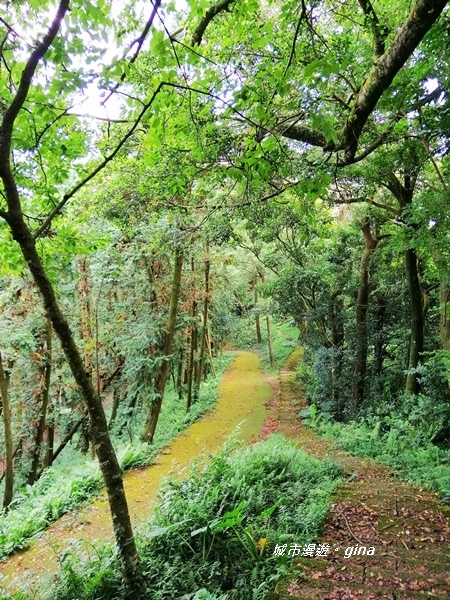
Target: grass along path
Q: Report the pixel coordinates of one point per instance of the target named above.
(408, 527)
(243, 393)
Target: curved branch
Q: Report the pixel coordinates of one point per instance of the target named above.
(379, 31)
(25, 81)
(223, 5)
(99, 167)
(422, 17)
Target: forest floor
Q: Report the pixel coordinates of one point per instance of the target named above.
(243, 394)
(406, 525)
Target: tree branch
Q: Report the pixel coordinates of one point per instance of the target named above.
(422, 17)
(139, 42)
(99, 167)
(379, 31)
(305, 135)
(223, 5)
(25, 82)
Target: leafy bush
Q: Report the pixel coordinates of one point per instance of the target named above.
(212, 534)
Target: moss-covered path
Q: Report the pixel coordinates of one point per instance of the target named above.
(243, 393)
(406, 525)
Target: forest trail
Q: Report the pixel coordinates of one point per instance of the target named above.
(243, 393)
(408, 527)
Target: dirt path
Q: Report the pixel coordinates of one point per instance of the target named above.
(243, 392)
(408, 527)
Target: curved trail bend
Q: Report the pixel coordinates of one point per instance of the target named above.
(243, 392)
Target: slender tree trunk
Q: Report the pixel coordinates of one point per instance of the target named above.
(84, 298)
(191, 362)
(192, 346)
(257, 321)
(17, 451)
(378, 350)
(211, 360)
(39, 437)
(444, 315)
(109, 465)
(6, 414)
(404, 195)
(205, 326)
(337, 342)
(269, 339)
(362, 303)
(155, 407)
(115, 406)
(416, 346)
(180, 371)
(49, 456)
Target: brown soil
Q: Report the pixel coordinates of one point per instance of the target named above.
(407, 526)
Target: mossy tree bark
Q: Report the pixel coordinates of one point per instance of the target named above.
(6, 414)
(362, 304)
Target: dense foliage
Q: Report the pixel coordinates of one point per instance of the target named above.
(170, 171)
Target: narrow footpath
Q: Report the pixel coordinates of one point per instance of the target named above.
(243, 394)
(408, 526)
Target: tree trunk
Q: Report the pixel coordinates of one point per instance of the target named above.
(150, 270)
(39, 437)
(416, 346)
(115, 406)
(337, 342)
(6, 413)
(192, 346)
(155, 407)
(180, 371)
(269, 339)
(190, 370)
(49, 456)
(109, 465)
(257, 322)
(362, 303)
(444, 315)
(205, 326)
(84, 298)
(378, 350)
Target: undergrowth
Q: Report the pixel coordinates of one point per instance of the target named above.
(212, 535)
(412, 455)
(75, 479)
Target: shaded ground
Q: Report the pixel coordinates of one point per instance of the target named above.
(406, 525)
(242, 396)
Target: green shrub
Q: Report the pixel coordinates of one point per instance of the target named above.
(217, 528)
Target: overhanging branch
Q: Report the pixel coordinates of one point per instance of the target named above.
(99, 167)
(213, 11)
(422, 17)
